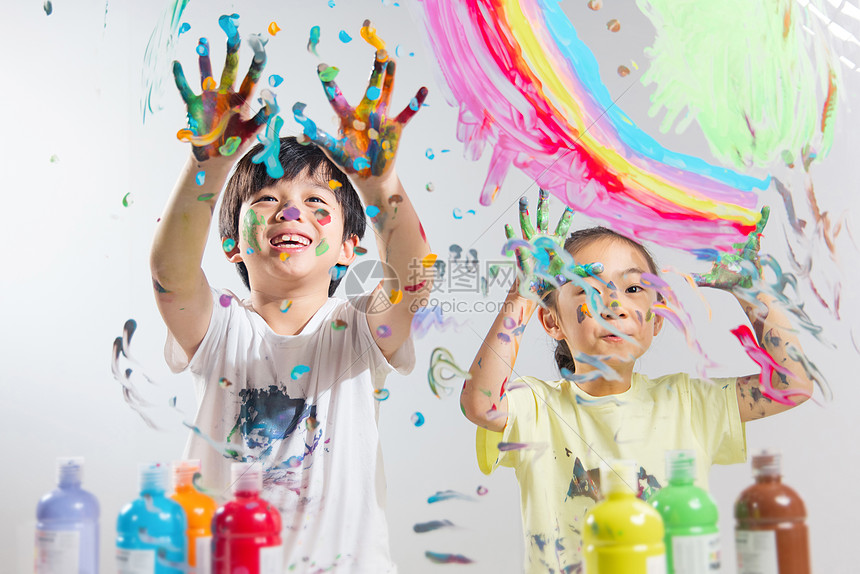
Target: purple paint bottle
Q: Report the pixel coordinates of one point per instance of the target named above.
(67, 527)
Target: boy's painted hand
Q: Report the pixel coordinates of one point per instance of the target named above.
(545, 263)
(369, 136)
(218, 118)
(740, 268)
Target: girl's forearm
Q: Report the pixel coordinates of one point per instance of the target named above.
(481, 397)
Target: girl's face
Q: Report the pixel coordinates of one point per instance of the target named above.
(626, 306)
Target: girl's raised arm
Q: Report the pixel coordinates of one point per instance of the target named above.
(483, 396)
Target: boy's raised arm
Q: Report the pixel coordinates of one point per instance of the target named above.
(366, 151)
(219, 135)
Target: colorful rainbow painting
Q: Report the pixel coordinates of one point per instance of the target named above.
(527, 87)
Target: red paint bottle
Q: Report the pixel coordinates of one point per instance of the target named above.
(246, 532)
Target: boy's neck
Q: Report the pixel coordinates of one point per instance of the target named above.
(292, 321)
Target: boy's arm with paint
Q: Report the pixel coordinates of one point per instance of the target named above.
(220, 132)
(366, 151)
(784, 381)
(483, 398)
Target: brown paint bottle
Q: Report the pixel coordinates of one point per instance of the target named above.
(770, 523)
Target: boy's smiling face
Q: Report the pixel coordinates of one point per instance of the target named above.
(291, 234)
(626, 306)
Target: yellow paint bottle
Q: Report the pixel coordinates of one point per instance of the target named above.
(623, 533)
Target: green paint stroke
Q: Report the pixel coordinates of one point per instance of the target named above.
(252, 225)
(322, 247)
(747, 72)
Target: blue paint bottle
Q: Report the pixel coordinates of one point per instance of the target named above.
(67, 524)
(150, 531)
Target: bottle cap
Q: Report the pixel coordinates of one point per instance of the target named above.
(619, 475)
(681, 465)
(767, 463)
(154, 477)
(184, 471)
(246, 477)
(70, 470)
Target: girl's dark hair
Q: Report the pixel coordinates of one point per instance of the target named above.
(297, 159)
(574, 242)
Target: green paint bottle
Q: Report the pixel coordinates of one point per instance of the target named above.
(690, 517)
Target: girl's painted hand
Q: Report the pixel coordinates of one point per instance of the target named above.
(740, 268)
(218, 122)
(543, 261)
(369, 136)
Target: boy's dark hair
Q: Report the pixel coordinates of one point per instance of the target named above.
(574, 242)
(297, 159)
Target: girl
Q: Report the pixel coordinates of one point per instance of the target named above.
(555, 433)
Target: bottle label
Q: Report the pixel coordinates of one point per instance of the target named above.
(655, 564)
(272, 559)
(756, 550)
(698, 554)
(203, 556)
(57, 551)
(135, 561)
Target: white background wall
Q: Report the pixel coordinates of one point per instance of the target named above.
(76, 267)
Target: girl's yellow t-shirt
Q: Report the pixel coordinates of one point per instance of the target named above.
(557, 435)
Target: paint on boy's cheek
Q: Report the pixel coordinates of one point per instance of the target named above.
(252, 226)
(649, 315)
(639, 317)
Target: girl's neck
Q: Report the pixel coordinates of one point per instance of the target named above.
(602, 387)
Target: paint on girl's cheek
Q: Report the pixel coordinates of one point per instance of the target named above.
(252, 227)
(639, 317)
(582, 313)
(649, 315)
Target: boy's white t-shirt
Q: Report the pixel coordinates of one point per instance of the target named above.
(258, 394)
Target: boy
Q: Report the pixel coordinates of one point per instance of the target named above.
(289, 376)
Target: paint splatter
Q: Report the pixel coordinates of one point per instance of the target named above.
(444, 495)
(383, 331)
(299, 371)
(224, 383)
(417, 419)
(275, 80)
(160, 49)
(423, 527)
(344, 37)
(425, 318)
(285, 305)
(439, 558)
(338, 325)
(381, 394)
(273, 28)
(429, 153)
(127, 200)
(48, 7)
(228, 245)
(200, 178)
(443, 369)
(481, 490)
(314, 40)
(225, 300)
